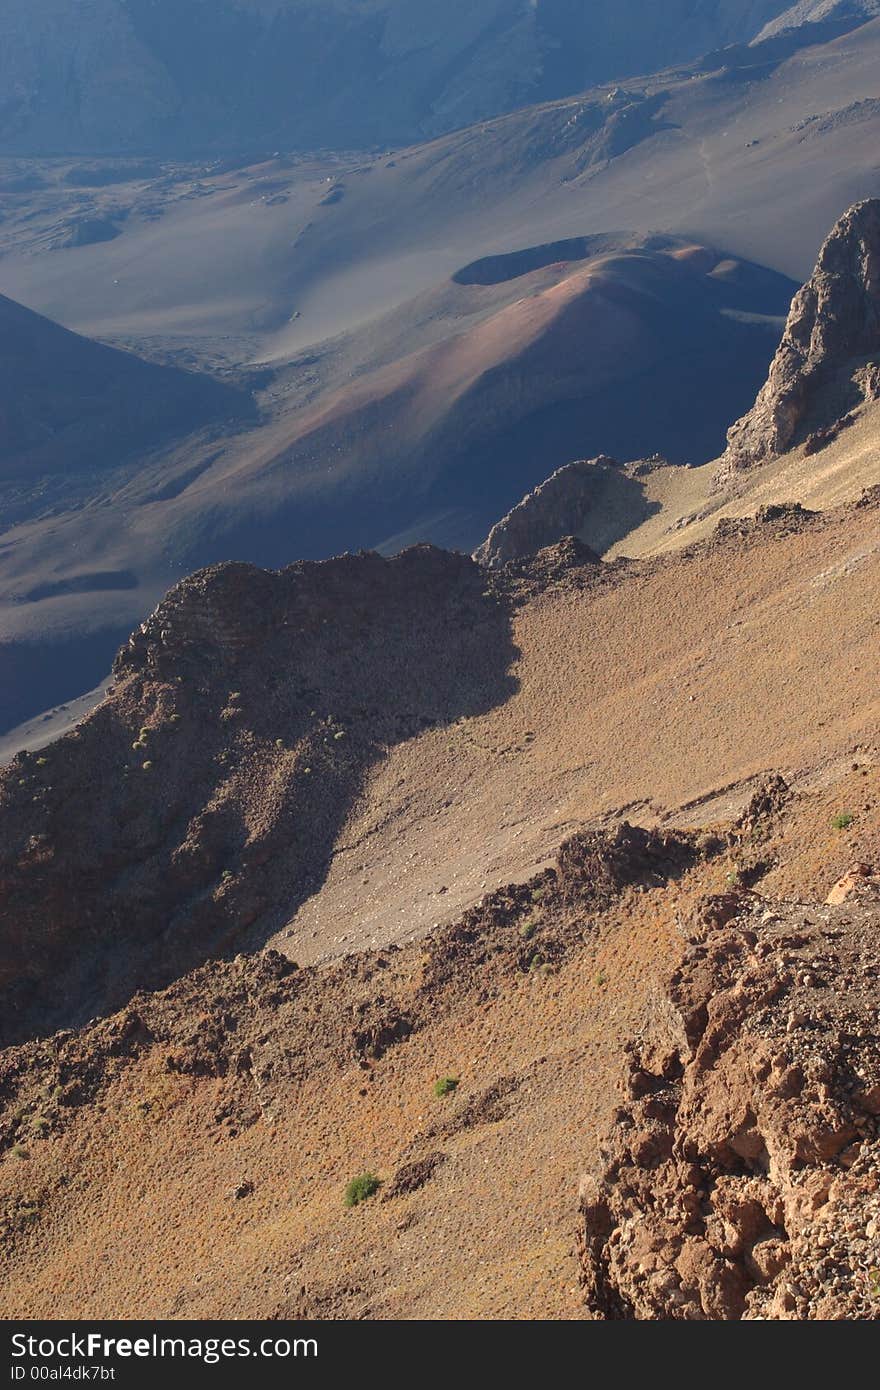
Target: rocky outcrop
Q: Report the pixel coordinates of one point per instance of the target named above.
(828, 362)
(193, 810)
(596, 500)
(557, 508)
(741, 1178)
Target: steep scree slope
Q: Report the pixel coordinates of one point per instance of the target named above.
(343, 754)
(187, 1157)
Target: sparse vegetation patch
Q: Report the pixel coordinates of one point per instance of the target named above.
(361, 1188)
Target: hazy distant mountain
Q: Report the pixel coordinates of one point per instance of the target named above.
(820, 12)
(115, 75)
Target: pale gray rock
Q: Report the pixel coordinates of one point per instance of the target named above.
(594, 500)
(828, 362)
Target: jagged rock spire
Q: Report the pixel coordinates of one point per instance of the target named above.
(829, 359)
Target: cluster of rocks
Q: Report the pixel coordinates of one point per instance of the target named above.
(741, 1177)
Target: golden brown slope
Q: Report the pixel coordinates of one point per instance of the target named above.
(629, 693)
(686, 507)
(188, 1157)
(250, 1078)
(266, 770)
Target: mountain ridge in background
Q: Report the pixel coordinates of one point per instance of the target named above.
(169, 76)
(542, 265)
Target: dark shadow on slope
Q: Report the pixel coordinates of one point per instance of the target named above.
(593, 501)
(510, 265)
(97, 582)
(191, 815)
(41, 674)
(69, 404)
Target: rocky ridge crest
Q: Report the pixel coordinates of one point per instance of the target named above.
(199, 803)
(586, 499)
(828, 362)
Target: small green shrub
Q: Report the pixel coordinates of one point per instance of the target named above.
(226, 875)
(528, 928)
(445, 1086)
(19, 1151)
(39, 1124)
(340, 733)
(601, 979)
(538, 895)
(147, 765)
(360, 1188)
(41, 762)
(842, 821)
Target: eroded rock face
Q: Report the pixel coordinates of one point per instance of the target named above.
(741, 1178)
(828, 362)
(195, 808)
(596, 500)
